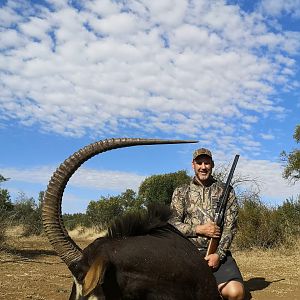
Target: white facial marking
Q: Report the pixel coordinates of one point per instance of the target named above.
(78, 289)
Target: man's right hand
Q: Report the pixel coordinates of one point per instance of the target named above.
(209, 229)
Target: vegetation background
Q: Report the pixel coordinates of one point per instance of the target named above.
(260, 225)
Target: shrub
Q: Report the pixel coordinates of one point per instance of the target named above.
(259, 225)
(101, 212)
(29, 215)
(6, 221)
(3, 224)
(71, 221)
(289, 215)
(159, 188)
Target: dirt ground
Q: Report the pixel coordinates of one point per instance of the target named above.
(30, 269)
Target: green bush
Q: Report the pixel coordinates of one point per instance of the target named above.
(71, 221)
(289, 214)
(6, 221)
(28, 214)
(6, 210)
(267, 227)
(101, 212)
(160, 188)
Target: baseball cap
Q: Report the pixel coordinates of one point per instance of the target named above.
(202, 151)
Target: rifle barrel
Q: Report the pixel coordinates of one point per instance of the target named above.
(223, 201)
(220, 212)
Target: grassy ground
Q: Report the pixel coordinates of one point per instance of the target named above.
(271, 274)
(30, 269)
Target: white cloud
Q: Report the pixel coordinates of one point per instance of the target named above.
(84, 178)
(39, 175)
(116, 25)
(106, 179)
(143, 66)
(269, 177)
(267, 174)
(10, 38)
(267, 136)
(102, 8)
(277, 8)
(168, 12)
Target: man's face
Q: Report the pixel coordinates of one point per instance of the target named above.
(202, 166)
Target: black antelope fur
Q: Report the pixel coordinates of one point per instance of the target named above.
(143, 257)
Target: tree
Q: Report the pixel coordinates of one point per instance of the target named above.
(6, 208)
(5, 201)
(292, 160)
(130, 201)
(101, 212)
(2, 179)
(159, 188)
(40, 198)
(28, 214)
(72, 221)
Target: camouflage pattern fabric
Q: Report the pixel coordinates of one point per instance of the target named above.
(193, 204)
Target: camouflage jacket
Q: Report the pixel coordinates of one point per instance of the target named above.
(193, 204)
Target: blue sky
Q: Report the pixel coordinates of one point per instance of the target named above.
(225, 73)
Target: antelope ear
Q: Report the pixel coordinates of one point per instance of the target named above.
(94, 276)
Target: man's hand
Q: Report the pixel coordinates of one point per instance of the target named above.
(209, 229)
(213, 260)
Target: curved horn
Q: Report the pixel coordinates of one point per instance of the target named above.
(65, 247)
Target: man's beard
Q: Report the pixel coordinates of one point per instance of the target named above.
(203, 177)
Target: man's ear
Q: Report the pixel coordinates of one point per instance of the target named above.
(94, 276)
(212, 163)
(193, 165)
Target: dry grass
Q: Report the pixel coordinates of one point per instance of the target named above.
(271, 273)
(15, 231)
(83, 233)
(79, 233)
(27, 261)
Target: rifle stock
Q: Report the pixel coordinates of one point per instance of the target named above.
(212, 246)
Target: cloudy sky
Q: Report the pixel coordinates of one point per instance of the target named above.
(225, 73)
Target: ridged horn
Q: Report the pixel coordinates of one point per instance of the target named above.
(55, 230)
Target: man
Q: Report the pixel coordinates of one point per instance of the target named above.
(193, 207)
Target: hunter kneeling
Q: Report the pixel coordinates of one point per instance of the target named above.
(195, 207)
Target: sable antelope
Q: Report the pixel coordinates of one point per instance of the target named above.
(141, 258)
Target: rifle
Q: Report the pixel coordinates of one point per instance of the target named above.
(221, 208)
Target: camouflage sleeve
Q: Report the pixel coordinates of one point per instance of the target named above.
(178, 209)
(230, 225)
